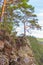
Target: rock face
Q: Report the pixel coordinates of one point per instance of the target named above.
(3, 60)
(1, 45)
(25, 52)
(15, 53)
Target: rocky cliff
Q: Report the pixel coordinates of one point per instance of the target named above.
(16, 52)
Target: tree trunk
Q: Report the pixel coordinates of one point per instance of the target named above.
(24, 29)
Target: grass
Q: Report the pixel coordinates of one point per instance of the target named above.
(37, 49)
(40, 39)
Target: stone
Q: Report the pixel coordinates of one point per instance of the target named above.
(4, 60)
(1, 45)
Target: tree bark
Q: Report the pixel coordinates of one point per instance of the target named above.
(24, 29)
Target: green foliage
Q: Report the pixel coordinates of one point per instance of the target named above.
(8, 26)
(37, 49)
(25, 5)
(25, 8)
(40, 39)
(28, 11)
(24, 0)
(8, 23)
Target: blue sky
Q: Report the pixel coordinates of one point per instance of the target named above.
(38, 4)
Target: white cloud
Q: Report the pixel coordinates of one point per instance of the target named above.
(40, 14)
(38, 34)
(40, 22)
(20, 30)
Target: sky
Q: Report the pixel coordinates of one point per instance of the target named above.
(38, 4)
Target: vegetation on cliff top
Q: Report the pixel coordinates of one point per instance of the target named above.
(37, 49)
